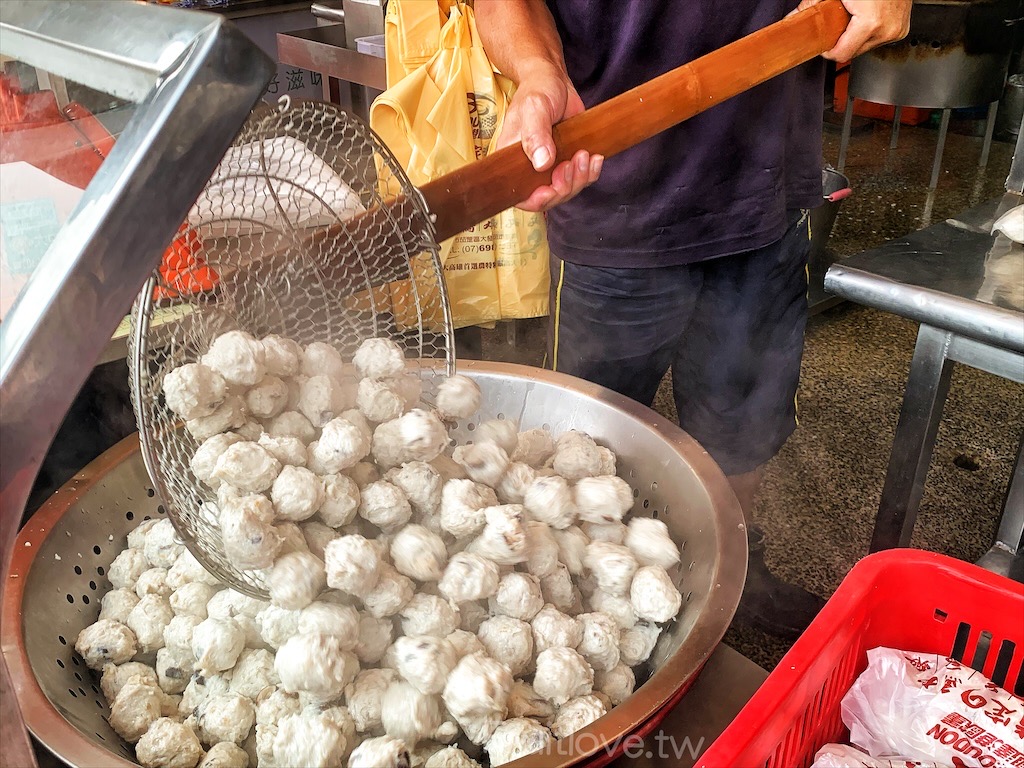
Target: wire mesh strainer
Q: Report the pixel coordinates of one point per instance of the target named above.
(264, 225)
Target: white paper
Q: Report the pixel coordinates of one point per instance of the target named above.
(1011, 224)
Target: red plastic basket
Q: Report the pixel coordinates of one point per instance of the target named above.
(901, 598)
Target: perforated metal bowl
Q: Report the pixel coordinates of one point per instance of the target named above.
(58, 572)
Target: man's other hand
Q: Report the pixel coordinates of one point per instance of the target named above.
(872, 23)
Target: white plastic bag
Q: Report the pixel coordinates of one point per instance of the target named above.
(1011, 224)
(842, 756)
(1004, 262)
(927, 707)
(272, 184)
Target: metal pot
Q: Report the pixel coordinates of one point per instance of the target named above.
(956, 55)
(58, 572)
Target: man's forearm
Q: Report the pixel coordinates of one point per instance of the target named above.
(519, 36)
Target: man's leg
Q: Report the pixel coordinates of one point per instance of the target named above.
(735, 379)
(745, 487)
(618, 327)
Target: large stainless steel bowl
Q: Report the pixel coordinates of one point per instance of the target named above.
(58, 572)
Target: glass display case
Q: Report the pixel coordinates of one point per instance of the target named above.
(56, 135)
(112, 117)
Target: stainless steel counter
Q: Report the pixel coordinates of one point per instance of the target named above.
(350, 78)
(954, 275)
(322, 49)
(965, 286)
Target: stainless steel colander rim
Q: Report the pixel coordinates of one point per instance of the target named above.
(729, 572)
(43, 720)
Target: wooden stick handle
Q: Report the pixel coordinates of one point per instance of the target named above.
(484, 188)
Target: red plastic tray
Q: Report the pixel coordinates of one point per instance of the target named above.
(901, 598)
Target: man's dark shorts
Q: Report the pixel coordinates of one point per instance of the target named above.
(731, 329)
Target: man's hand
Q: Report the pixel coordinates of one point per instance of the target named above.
(522, 42)
(544, 97)
(873, 23)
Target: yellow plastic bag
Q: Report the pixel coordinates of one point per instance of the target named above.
(440, 114)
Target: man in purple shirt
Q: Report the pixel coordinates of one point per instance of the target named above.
(688, 252)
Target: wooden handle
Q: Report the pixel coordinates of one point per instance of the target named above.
(483, 189)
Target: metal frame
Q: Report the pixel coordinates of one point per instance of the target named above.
(957, 325)
(940, 144)
(926, 390)
(997, 326)
(195, 78)
(1007, 554)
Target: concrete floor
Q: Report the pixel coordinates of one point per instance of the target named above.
(821, 492)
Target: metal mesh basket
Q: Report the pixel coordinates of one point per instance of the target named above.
(58, 572)
(271, 224)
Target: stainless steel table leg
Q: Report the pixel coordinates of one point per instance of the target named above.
(1011, 527)
(925, 395)
(511, 330)
(895, 127)
(1006, 556)
(844, 141)
(939, 148)
(990, 127)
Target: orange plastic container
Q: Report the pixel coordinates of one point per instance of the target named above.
(183, 271)
(901, 598)
(908, 115)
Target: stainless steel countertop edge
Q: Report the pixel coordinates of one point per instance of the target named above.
(983, 322)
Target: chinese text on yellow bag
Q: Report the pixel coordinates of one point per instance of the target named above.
(444, 108)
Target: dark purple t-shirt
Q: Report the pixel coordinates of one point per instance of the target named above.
(719, 183)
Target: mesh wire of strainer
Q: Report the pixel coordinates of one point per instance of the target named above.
(272, 225)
